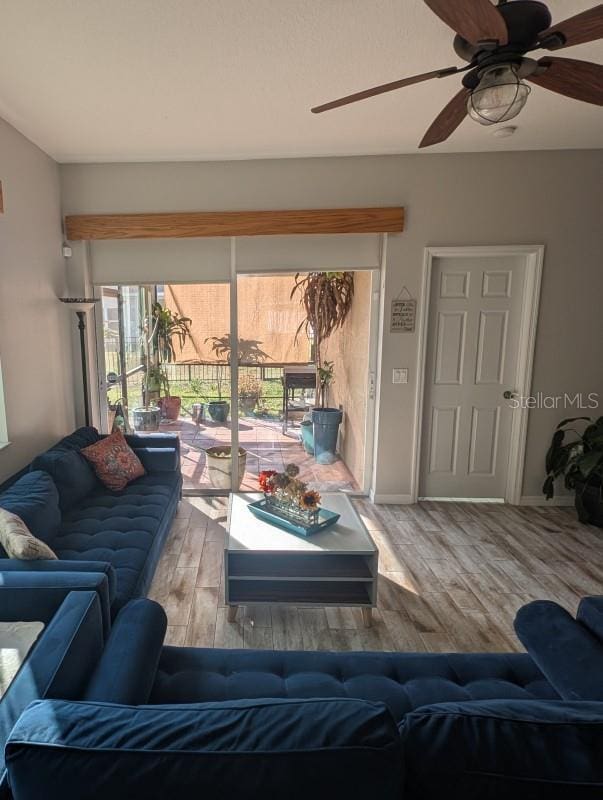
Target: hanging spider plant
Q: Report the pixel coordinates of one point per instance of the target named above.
(327, 300)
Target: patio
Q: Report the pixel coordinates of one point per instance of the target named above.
(267, 448)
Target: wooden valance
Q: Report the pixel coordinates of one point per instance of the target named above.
(195, 224)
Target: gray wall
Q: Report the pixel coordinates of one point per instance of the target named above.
(35, 342)
(551, 198)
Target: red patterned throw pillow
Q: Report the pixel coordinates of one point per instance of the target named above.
(114, 461)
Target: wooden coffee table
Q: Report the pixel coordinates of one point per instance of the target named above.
(264, 564)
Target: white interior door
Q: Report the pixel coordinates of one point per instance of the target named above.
(471, 361)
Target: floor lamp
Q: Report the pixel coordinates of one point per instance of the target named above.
(81, 306)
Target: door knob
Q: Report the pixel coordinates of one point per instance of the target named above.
(509, 395)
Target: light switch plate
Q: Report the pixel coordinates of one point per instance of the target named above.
(400, 375)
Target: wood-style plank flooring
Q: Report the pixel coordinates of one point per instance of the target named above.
(452, 577)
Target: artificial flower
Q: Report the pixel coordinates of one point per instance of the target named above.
(265, 480)
(310, 500)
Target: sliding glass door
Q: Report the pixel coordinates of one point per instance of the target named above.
(229, 364)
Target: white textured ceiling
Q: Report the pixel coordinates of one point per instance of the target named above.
(113, 80)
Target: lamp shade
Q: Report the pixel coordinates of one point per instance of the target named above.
(79, 303)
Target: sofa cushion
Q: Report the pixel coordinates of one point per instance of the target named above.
(158, 459)
(71, 473)
(590, 614)
(114, 462)
(564, 650)
(125, 529)
(335, 749)
(35, 499)
(522, 750)
(403, 681)
(18, 541)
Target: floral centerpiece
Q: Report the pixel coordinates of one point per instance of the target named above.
(288, 496)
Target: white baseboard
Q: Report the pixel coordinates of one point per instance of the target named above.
(539, 500)
(526, 500)
(392, 499)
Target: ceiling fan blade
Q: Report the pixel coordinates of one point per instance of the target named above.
(584, 27)
(386, 87)
(475, 20)
(447, 120)
(581, 80)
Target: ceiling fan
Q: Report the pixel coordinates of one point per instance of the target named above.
(494, 41)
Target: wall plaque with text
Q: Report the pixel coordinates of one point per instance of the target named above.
(403, 316)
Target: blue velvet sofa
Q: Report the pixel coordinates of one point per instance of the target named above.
(89, 527)
(157, 721)
(68, 649)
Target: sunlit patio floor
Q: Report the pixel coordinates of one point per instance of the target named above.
(267, 448)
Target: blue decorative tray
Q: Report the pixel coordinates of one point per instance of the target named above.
(326, 518)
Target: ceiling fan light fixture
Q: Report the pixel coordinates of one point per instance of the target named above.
(499, 96)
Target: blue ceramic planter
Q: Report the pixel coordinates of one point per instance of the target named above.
(326, 423)
(218, 410)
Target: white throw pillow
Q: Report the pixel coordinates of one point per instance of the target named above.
(18, 541)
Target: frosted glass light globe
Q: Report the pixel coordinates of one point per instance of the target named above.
(498, 97)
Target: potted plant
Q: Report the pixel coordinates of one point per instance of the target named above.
(249, 353)
(580, 461)
(146, 418)
(161, 328)
(250, 389)
(168, 328)
(219, 466)
(327, 300)
(219, 409)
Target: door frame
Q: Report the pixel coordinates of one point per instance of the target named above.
(98, 369)
(533, 257)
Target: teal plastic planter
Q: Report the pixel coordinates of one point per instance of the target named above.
(325, 422)
(307, 436)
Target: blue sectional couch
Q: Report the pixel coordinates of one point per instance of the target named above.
(157, 721)
(68, 649)
(89, 527)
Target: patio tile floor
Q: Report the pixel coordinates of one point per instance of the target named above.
(267, 448)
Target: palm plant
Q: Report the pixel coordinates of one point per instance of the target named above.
(327, 300)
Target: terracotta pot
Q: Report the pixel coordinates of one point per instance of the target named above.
(170, 407)
(248, 403)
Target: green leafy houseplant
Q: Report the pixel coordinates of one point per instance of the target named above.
(250, 389)
(157, 380)
(326, 376)
(169, 327)
(580, 461)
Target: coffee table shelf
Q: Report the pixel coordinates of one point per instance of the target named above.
(267, 565)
